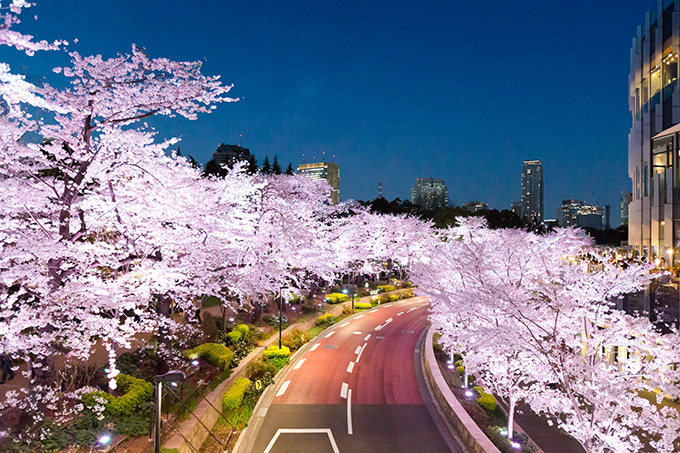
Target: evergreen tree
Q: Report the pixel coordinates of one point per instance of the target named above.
(276, 168)
(266, 166)
(213, 168)
(252, 167)
(289, 170)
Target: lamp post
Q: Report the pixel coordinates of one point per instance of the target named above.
(280, 315)
(170, 376)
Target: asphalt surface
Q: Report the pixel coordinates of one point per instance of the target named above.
(353, 389)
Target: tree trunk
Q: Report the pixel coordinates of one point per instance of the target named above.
(511, 416)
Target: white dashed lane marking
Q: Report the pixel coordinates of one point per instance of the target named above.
(283, 388)
(299, 364)
(315, 346)
(350, 367)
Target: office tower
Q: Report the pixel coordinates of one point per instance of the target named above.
(430, 193)
(626, 198)
(532, 192)
(323, 171)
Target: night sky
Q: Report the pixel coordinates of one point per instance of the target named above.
(391, 90)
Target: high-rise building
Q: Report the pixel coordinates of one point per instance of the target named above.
(626, 198)
(575, 213)
(323, 171)
(532, 192)
(430, 193)
(653, 141)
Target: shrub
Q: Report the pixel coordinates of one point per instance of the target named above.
(325, 320)
(273, 352)
(393, 298)
(336, 298)
(258, 369)
(278, 362)
(273, 320)
(460, 369)
(137, 391)
(239, 334)
(295, 339)
(386, 288)
(487, 401)
(135, 425)
(217, 354)
(347, 310)
(362, 305)
(233, 397)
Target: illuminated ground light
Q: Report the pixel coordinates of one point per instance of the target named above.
(195, 362)
(516, 445)
(469, 393)
(174, 384)
(104, 439)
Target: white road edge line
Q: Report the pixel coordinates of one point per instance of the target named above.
(361, 352)
(350, 367)
(399, 314)
(349, 411)
(344, 324)
(315, 346)
(329, 334)
(326, 431)
(367, 337)
(299, 364)
(343, 390)
(358, 317)
(283, 388)
(388, 321)
(358, 349)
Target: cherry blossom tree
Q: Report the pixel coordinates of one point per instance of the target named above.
(541, 320)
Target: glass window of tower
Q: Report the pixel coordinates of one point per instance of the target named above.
(670, 67)
(655, 75)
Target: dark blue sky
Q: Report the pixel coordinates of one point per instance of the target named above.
(394, 90)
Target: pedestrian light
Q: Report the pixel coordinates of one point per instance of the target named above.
(104, 439)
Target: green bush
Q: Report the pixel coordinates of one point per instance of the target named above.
(362, 305)
(217, 354)
(258, 369)
(386, 288)
(137, 391)
(487, 401)
(135, 425)
(325, 320)
(273, 352)
(278, 362)
(460, 369)
(295, 339)
(393, 298)
(233, 397)
(273, 320)
(239, 334)
(336, 298)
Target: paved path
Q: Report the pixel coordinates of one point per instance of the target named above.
(353, 389)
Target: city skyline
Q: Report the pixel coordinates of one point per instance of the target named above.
(394, 94)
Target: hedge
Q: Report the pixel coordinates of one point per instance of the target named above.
(486, 400)
(362, 305)
(336, 298)
(393, 298)
(137, 391)
(233, 397)
(217, 354)
(273, 352)
(386, 288)
(326, 319)
(239, 333)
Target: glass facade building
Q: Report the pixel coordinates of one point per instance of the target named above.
(430, 193)
(323, 171)
(653, 141)
(532, 192)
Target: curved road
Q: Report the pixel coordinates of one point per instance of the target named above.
(353, 389)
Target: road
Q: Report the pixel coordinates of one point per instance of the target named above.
(354, 389)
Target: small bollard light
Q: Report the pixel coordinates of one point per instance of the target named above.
(231, 319)
(195, 362)
(504, 432)
(516, 445)
(469, 393)
(174, 384)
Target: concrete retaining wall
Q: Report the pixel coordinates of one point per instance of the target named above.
(475, 439)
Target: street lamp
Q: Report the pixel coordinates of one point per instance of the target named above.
(173, 377)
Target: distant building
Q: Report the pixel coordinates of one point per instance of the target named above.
(430, 193)
(516, 207)
(532, 192)
(323, 171)
(626, 198)
(230, 154)
(475, 206)
(575, 213)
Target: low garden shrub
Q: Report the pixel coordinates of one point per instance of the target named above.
(295, 339)
(217, 354)
(273, 320)
(325, 320)
(336, 298)
(258, 369)
(273, 352)
(234, 395)
(393, 298)
(362, 305)
(386, 288)
(487, 401)
(137, 391)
